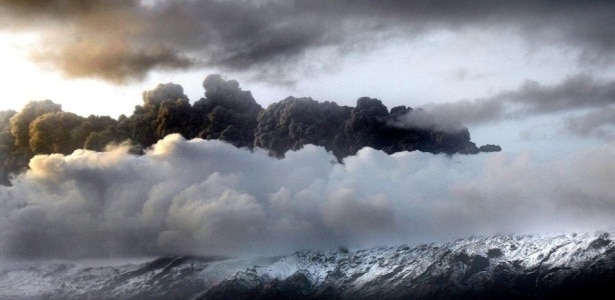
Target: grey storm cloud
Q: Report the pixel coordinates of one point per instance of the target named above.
(209, 197)
(124, 40)
(577, 93)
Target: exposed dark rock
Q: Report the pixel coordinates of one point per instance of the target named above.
(494, 253)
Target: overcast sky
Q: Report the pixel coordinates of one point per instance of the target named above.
(488, 61)
(536, 77)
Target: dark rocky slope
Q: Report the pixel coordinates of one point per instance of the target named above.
(498, 267)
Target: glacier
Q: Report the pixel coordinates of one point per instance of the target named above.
(478, 267)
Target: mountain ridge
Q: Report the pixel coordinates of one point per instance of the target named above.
(501, 266)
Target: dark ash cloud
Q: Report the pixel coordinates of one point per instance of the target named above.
(227, 113)
(124, 40)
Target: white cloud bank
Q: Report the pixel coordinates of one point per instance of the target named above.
(208, 197)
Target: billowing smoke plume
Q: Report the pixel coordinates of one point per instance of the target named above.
(209, 197)
(42, 127)
(226, 113)
(8, 150)
(292, 123)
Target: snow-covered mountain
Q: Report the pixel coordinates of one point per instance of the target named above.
(495, 267)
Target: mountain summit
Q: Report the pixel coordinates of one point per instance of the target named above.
(504, 266)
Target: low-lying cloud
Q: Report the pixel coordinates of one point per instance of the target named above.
(209, 197)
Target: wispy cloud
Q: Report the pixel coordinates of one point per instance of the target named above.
(577, 93)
